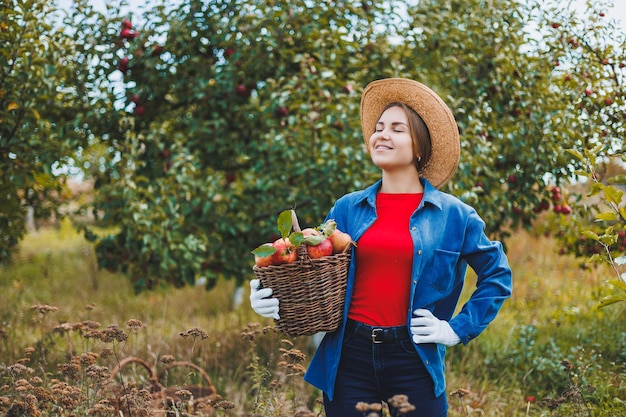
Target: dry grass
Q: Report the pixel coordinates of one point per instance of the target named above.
(258, 372)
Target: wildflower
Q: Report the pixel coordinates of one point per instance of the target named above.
(113, 333)
(90, 306)
(18, 369)
(167, 359)
(183, 393)
(134, 324)
(225, 405)
(195, 332)
(90, 325)
(29, 351)
(97, 372)
(106, 353)
(71, 369)
(460, 393)
(293, 355)
(44, 308)
(304, 413)
(88, 358)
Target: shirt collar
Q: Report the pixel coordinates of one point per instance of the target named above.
(431, 194)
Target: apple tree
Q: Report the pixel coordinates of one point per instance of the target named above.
(232, 111)
(41, 108)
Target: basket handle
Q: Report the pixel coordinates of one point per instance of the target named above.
(294, 222)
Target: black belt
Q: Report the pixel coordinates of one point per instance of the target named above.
(376, 334)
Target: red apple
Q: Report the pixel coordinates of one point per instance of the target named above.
(140, 110)
(339, 241)
(309, 231)
(282, 111)
(325, 248)
(285, 252)
(242, 90)
(123, 65)
(263, 261)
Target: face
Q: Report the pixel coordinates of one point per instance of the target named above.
(391, 145)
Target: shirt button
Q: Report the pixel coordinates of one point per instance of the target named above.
(414, 228)
(419, 252)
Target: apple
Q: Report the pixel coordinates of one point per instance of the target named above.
(282, 111)
(140, 110)
(309, 231)
(325, 248)
(285, 252)
(339, 241)
(242, 90)
(263, 261)
(123, 65)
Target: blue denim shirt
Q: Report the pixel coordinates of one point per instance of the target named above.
(448, 235)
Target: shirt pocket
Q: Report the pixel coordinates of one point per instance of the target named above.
(442, 273)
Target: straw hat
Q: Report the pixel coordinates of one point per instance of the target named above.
(444, 132)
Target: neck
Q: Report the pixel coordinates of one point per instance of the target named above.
(401, 183)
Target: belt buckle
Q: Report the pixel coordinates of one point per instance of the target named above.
(375, 333)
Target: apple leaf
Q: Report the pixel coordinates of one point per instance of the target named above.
(618, 179)
(296, 238)
(284, 223)
(314, 240)
(328, 227)
(264, 250)
(611, 299)
(607, 216)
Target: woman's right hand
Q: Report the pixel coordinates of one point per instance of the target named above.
(261, 304)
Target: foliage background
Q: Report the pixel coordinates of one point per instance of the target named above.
(197, 123)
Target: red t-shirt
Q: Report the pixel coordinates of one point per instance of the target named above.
(384, 263)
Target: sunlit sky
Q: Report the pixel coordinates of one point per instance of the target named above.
(618, 11)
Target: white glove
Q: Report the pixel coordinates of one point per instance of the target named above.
(263, 306)
(427, 328)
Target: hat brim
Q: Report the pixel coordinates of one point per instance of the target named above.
(443, 129)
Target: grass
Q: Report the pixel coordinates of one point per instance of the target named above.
(548, 353)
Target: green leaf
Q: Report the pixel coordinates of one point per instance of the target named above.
(613, 194)
(284, 223)
(607, 216)
(591, 235)
(618, 179)
(618, 283)
(264, 250)
(296, 238)
(578, 155)
(314, 240)
(611, 299)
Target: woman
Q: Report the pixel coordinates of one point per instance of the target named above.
(414, 244)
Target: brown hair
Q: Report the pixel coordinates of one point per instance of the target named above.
(422, 146)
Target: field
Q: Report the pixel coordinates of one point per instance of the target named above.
(65, 325)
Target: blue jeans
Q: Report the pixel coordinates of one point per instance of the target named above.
(374, 372)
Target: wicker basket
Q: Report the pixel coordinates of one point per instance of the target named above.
(311, 291)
